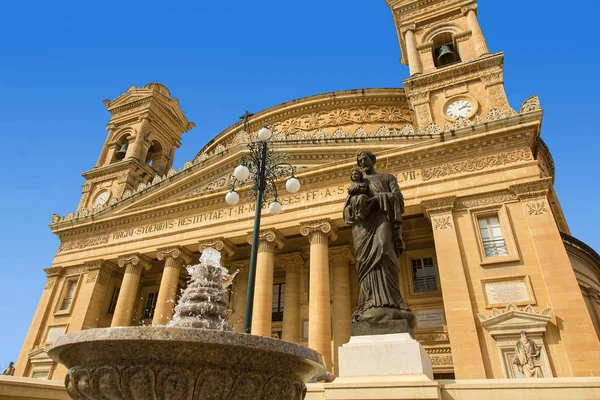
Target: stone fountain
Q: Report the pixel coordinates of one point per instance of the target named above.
(194, 357)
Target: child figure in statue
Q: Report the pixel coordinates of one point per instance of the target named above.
(359, 193)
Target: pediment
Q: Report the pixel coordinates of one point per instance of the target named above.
(511, 320)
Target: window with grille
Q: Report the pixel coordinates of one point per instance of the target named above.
(424, 279)
(113, 300)
(494, 244)
(68, 296)
(278, 296)
(150, 306)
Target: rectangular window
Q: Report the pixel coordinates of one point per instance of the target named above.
(278, 296)
(150, 306)
(68, 296)
(424, 279)
(113, 300)
(493, 242)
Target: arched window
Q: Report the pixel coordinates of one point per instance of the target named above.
(120, 149)
(444, 50)
(154, 153)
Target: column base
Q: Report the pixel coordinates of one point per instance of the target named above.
(379, 355)
(381, 328)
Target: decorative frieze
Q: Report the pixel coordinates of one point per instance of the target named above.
(83, 243)
(477, 164)
(486, 199)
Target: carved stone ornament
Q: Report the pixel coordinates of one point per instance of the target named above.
(345, 253)
(291, 262)
(176, 252)
(531, 104)
(532, 190)
(221, 244)
(442, 222)
(135, 259)
(50, 282)
(83, 243)
(440, 205)
(537, 208)
(322, 227)
(271, 236)
(485, 199)
(477, 164)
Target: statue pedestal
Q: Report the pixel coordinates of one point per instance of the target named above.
(377, 355)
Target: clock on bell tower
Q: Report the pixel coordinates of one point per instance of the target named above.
(452, 73)
(143, 134)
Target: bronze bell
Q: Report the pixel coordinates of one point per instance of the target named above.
(120, 154)
(446, 56)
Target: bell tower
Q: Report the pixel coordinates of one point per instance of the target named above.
(144, 131)
(452, 73)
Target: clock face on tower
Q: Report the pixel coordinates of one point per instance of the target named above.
(101, 198)
(459, 108)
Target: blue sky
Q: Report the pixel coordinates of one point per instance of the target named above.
(59, 60)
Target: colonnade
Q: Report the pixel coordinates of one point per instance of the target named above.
(323, 300)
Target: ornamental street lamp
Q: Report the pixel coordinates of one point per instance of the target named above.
(261, 168)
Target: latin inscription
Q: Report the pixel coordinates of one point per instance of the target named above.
(507, 292)
(427, 319)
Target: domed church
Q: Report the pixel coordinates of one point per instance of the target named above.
(487, 250)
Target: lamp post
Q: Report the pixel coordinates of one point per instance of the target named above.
(261, 168)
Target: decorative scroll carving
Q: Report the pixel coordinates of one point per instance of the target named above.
(461, 122)
(341, 253)
(270, 236)
(83, 243)
(221, 244)
(495, 114)
(532, 189)
(531, 104)
(537, 208)
(316, 228)
(440, 205)
(176, 252)
(291, 261)
(485, 200)
(477, 164)
(135, 259)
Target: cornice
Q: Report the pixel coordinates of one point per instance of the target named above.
(532, 189)
(437, 206)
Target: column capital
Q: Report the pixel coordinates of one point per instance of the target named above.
(468, 7)
(221, 244)
(135, 259)
(408, 27)
(270, 235)
(532, 189)
(319, 227)
(176, 252)
(342, 253)
(291, 262)
(440, 205)
(54, 271)
(238, 265)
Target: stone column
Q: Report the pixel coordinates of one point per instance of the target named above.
(479, 44)
(340, 259)
(136, 148)
(292, 264)
(102, 158)
(133, 264)
(175, 257)
(414, 61)
(572, 323)
(319, 320)
(464, 341)
(237, 303)
(262, 309)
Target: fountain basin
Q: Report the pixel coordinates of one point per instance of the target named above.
(183, 363)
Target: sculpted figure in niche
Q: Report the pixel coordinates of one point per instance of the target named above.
(526, 355)
(374, 209)
(10, 370)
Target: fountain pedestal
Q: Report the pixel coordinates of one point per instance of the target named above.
(380, 355)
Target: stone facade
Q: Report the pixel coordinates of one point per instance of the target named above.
(120, 259)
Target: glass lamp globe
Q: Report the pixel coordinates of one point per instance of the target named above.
(275, 207)
(232, 198)
(292, 185)
(264, 133)
(241, 173)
